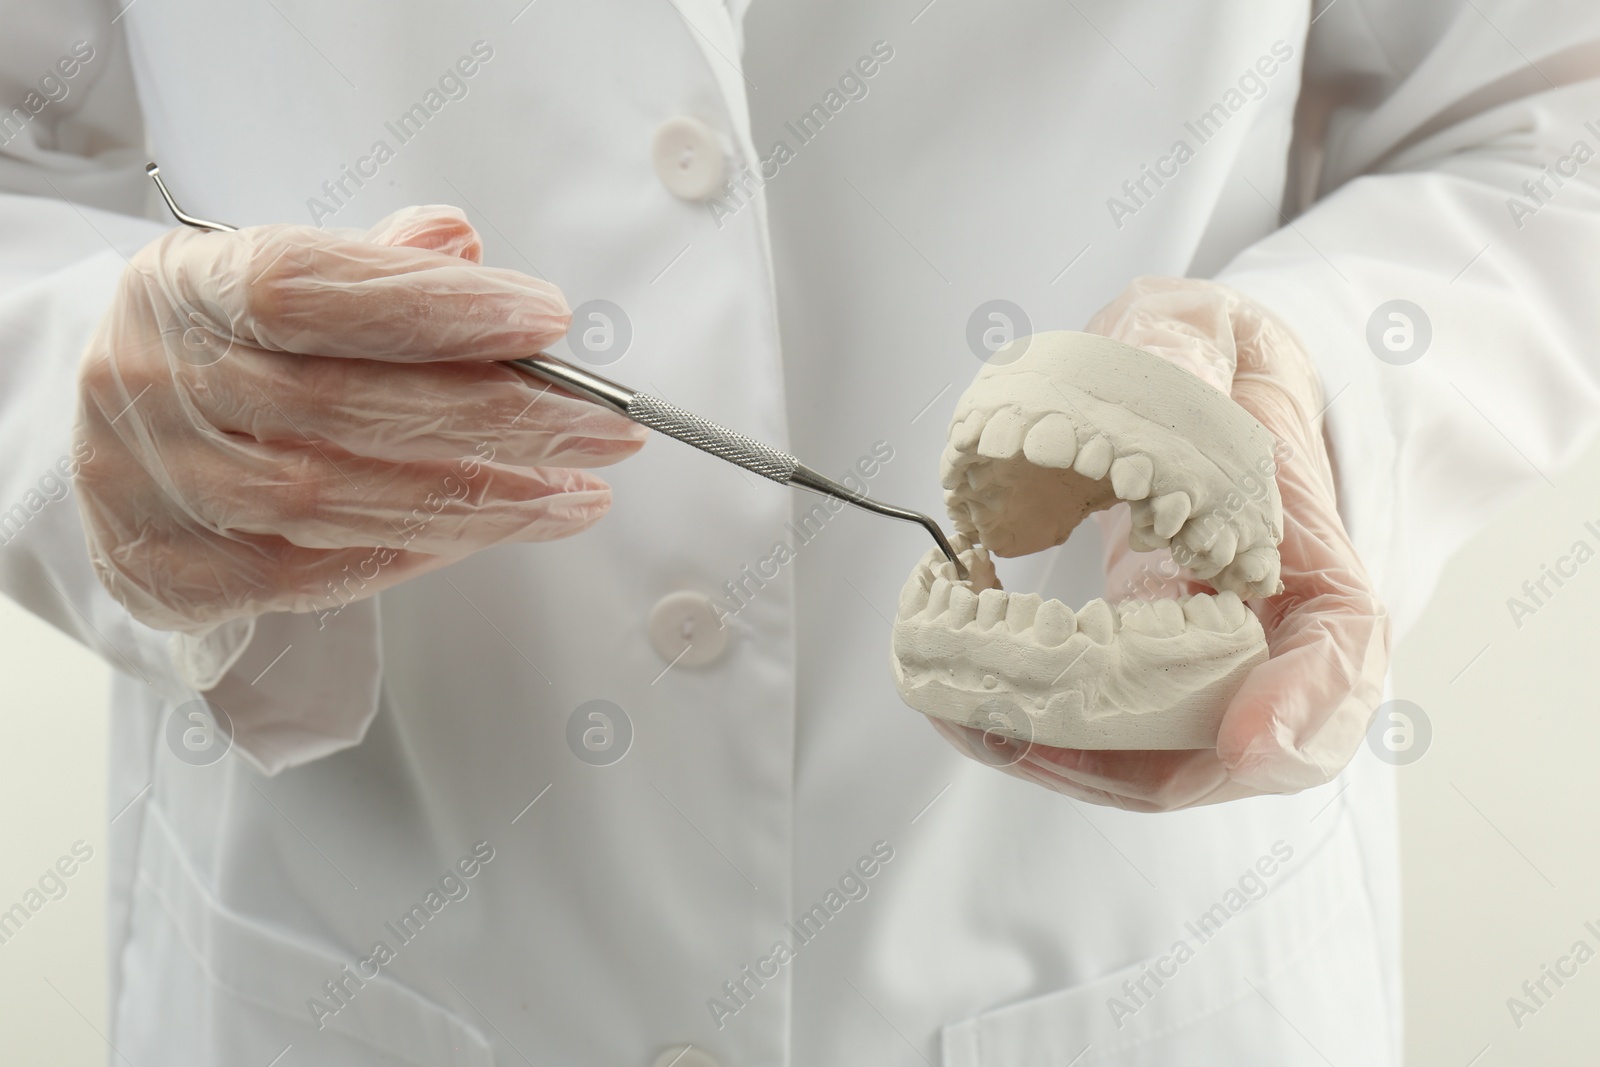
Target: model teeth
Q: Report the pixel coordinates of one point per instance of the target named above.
(914, 595)
(1130, 477)
(1047, 623)
(1133, 658)
(979, 470)
(1021, 610)
(991, 608)
(1094, 458)
(1030, 436)
(931, 594)
(963, 606)
(1053, 442)
(1002, 436)
(1054, 624)
(965, 436)
(1258, 571)
(1171, 511)
(1098, 622)
(1074, 425)
(1130, 614)
(1256, 563)
(1224, 548)
(1198, 535)
(1209, 548)
(1202, 612)
(1154, 618)
(1143, 539)
(952, 467)
(1233, 610)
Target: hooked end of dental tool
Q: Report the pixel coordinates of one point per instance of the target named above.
(946, 547)
(178, 213)
(807, 478)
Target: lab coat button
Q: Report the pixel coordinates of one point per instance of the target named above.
(688, 159)
(684, 1056)
(684, 629)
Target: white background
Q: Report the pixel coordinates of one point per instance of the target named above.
(1501, 859)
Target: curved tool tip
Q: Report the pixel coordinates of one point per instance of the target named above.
(945, 546)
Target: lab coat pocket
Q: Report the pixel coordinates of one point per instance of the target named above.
(1296, 978)
(248, 988)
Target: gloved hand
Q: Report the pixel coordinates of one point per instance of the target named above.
(287, 419)
(1301, 716)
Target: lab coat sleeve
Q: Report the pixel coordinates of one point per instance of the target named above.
(1452, 160)
(72, 196)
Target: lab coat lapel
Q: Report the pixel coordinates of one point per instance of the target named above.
(716, 34)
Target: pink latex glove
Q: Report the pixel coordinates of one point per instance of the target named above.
(288, 419)
(1301, 716)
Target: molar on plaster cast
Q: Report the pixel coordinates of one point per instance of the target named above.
(1077, 424)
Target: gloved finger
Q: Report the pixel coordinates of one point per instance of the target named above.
(418, 411)
(1154, 780)
(1056, 783)
(321, 580)
(266, 574)
(1019, 759)
(318, 497)
(437, 227)
(300, 289)
(163, 563)
(1009, 756)
(1065, 785)
(1191, 782)
(321, 497)
(1300, 717)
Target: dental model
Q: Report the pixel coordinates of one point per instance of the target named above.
(1056, 427)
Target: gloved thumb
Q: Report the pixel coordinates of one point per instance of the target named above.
(435, 227)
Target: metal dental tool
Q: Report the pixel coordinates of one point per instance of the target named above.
(667, 418)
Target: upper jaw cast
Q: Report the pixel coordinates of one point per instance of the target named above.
(1075, 423)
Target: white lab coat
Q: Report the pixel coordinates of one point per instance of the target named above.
(1001, 924)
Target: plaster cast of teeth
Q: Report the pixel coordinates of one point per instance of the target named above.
(1137, 675)
(1073, 425)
